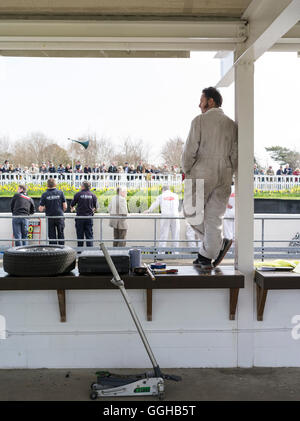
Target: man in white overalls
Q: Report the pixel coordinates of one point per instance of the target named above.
(169, 206)
(228, 224)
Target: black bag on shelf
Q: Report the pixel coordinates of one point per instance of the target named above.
(94, 262)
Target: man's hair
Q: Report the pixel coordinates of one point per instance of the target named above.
(51, 183)
(24, 188)
(214, 94)
(121, 189)
(86, 185)
(165, 188)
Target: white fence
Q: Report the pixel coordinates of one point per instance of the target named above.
(276, 182)
(97, 180)
(102, 180)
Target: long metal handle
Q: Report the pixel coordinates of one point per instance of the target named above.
(116, 277)
(117, 281)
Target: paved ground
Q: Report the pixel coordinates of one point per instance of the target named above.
(197, 384)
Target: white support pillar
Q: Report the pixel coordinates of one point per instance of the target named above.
(244, 108)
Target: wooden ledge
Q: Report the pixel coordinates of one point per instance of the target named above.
(188, 277)
(273, 279)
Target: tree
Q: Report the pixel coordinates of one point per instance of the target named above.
(172, 151)
(57, 155)
(131, 151)
(5, 150)
(284, 156)
(37, 148)
(31, 149)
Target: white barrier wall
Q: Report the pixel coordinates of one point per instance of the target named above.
(190, 328)
(141, 229)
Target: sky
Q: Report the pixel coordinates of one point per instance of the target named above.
(149, 99)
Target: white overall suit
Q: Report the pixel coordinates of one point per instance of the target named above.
(210, 153)
(192, 236)
(169, 204)
(228, 224)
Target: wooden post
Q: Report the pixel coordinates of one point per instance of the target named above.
(261, 296)
(149, 305)
(61, 295)
(234, 294)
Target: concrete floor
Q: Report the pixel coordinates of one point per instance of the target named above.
(224, 384)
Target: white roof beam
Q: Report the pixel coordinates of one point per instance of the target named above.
(126, 46)
(268, 21)
(119, 35)
(289, 42)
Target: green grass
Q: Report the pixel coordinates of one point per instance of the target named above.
(293, 193)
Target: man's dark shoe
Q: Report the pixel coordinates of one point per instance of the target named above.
(225, 247)
(202, 262)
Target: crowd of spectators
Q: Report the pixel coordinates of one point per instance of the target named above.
(287, 170)
(113, 167)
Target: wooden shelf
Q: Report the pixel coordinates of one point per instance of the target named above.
(273, 279)
(188, 277)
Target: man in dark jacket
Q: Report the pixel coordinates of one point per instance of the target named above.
(112, 168)
(21, 205)
(51, 168)
(53, 202)
(86, 202)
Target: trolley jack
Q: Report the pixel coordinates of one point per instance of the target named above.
(146, 384)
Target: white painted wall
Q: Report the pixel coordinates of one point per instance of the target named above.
(190, 328)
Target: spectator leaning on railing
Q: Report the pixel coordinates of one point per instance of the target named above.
(288, 170)
(296, 172)
(51, 168)
(140, 168)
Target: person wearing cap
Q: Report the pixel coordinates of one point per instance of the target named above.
(53, 203)
(126, 167)
(86, 205)
(21, 205)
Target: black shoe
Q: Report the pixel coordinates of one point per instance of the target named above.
(202, 262)
(225, 247)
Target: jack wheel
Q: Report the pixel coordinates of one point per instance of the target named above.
(161, 396)
(93, 396)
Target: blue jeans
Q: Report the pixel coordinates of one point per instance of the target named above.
(20, 231)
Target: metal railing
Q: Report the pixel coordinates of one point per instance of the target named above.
(266, 249)
(154, 251)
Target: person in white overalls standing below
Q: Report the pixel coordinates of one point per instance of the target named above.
(169, 206)
(228, 224)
